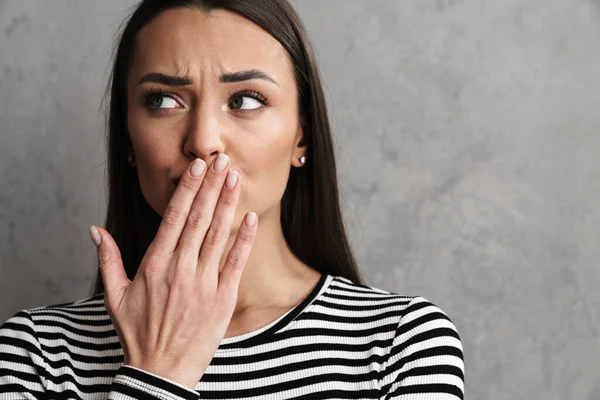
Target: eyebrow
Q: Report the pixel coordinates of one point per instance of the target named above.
(239, 76)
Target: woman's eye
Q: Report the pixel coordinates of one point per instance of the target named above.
(238, 101)
(162, 101)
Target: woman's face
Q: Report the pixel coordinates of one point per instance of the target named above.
(183, 103)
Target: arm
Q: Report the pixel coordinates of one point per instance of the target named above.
(21, 361)
(24, 372)
(426, 357)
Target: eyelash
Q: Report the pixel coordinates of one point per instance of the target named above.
(153, 92)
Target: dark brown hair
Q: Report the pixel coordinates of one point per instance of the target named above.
(311, 218)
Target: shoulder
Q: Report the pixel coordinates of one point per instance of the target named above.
(404, 308)
(426, 354)
(89, 307)
(423, 354)
(86, 302)
(425, 330)
(28, 323)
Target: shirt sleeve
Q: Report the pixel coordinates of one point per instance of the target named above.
(21, 361)
(23, 370)
(425, 361)
(135, 383)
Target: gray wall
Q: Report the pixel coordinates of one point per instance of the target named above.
(467, 151)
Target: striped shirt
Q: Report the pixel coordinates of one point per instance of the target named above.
(343, 341)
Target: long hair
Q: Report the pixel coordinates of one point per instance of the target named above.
(311, 218)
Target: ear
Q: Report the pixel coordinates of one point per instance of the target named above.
(131, 152)
(300, 147)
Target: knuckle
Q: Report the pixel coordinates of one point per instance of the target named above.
(245, 237)
(172, 216)
(154, 251)
(213, 182)
(234, 260)
(189, 184)
(151, 258)
(196, 219)
(228, 200)
(178, 277)
(214, 235)
(104, 260)
(151, 268)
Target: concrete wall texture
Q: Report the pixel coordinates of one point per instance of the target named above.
(467, 139)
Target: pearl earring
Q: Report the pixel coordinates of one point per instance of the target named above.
(303, 159)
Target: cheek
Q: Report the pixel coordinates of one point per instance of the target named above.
(266, 166)
(153, 174)
(153, 140)
(153, 163)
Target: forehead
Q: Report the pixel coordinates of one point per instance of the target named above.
(186, 41)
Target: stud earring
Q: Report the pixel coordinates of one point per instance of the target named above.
(302, 160)
(130, 159)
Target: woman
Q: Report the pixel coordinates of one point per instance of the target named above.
(224, 269)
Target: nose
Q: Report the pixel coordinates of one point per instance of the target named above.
(204, 133)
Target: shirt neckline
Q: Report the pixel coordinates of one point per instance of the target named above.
(264, 334)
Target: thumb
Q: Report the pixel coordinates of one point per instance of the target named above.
(111, 266)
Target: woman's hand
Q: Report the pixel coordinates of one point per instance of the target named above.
(172, 317)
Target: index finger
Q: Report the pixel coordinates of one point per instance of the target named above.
(176, 213)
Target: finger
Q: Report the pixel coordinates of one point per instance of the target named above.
(218, 233)
(229, 280)
(177, 211)
(111, 267)
(202, 210)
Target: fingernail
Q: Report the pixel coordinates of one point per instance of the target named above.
(250, 219)
(197, 167)
(95, 235)
(231, 179)
(221, 162)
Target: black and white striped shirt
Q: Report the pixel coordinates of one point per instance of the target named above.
(344, 341)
